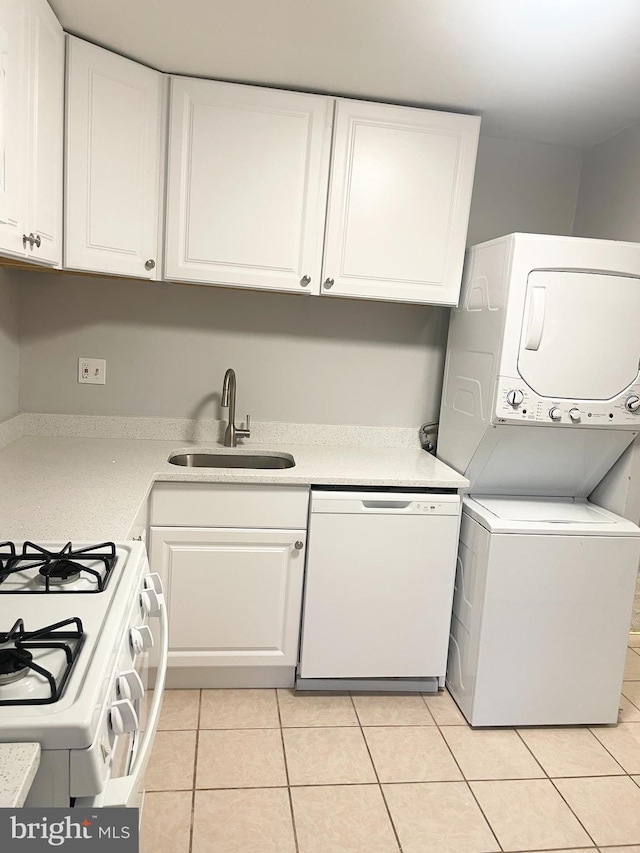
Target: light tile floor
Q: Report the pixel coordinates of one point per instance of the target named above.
(268, 771)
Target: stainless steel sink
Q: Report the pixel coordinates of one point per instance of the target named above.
(232, 460)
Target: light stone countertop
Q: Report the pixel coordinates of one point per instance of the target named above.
(92, 488)
(19, 763)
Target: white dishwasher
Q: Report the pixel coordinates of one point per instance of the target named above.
(378, 591)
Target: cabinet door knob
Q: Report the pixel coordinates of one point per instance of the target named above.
(305, 280)
(37, 240)
(150, 264)
(30, 240)
(328, 283)
(298, 545)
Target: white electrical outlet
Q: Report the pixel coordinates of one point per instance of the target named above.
(92, 371)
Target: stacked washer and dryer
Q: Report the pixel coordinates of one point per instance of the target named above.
(541, 397)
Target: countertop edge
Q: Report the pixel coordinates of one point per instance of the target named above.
(19, 764)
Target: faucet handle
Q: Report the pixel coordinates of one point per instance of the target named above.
(245, 431)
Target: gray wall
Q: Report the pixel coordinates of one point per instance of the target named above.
(299, 359)
(609, 198)
(309, 360)
(9, 404)
(523, 186)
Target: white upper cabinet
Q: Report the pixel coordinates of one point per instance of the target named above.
(247, 182)
(113, 163)
(14, 44)
(31, 127)
(399, 199)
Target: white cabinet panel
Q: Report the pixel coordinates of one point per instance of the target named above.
(113, 162)
(13, 125)
(247, 185)
(46, 130)
(399, 200)
(234, 596)
(31, 107)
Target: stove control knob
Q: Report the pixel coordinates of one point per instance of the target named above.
(150, 602)
(154, 582)
(129, 685)
(515, 397)
(575, 415)
(632, 403)
(123, 717)
(141, 638)
(555, 414)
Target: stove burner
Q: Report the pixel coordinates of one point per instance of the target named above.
(54, 570)
(16, 661)
(14, 665)
(59, 572)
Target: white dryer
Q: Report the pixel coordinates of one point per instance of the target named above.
(542, 382)
(543, 596)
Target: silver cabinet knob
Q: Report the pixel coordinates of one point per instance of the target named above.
(305, 281)
(328, 283)
(298, 545)
(31, 239)
(37, 240)
(150, 264)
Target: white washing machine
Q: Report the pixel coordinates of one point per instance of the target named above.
(541, 397)
(543, 597)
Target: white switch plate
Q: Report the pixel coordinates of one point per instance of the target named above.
(92, 371)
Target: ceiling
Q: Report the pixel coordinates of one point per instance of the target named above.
(557, 71)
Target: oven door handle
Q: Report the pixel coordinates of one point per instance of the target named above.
(127, 791)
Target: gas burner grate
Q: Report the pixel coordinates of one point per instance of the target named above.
(54, 570)
(16, 661)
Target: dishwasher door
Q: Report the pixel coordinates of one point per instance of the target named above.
(379, 584)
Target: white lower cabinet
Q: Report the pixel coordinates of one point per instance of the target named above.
(231, 559)
(234, 595)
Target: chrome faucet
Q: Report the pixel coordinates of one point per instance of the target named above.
(232, 432)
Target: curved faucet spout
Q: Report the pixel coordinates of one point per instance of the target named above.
(232, 432)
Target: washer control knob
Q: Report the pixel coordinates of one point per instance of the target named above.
(141, 638)
(555, 414)
(129, 685)
(575, 415)
(632, 403)
(123, 717)
(514, 397)
(150, 602)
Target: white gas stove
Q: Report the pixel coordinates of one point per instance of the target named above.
(76, 626)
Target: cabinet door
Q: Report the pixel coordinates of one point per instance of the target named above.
(112, 162)
(399, 199)
(234, 595)
(46, 106)
(14, 67)
(247, 183)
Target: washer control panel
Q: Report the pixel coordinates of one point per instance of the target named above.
(517, 403)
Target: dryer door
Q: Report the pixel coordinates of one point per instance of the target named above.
(580, 336)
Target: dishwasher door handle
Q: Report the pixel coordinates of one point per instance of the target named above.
(386, 504)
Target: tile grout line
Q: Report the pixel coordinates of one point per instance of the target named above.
(466, 782)
(375, 770)
(286, 770)
(195, 770)
(608, 751)
(573, 813)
